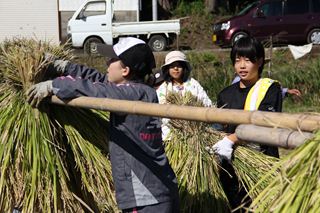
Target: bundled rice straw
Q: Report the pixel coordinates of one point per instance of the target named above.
(297, 187)
(48, 161)
(198, 172)
(250, 166)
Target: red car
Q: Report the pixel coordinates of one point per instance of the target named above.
(287, 21)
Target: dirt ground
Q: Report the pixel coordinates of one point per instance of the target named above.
(196, 33)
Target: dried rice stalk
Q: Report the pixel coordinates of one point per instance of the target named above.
(296, 188)
(196, 170)
(187, 154)
(23, 61)
(250, 166)
(48, 162)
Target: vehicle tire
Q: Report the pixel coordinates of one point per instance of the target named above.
(90, 46)
(314, 36)
(238, 35)
(158, 43)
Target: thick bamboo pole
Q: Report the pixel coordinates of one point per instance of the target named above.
(284, 138)
(303, 122)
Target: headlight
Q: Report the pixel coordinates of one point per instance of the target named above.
(225, 26)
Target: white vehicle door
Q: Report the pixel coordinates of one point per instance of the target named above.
(92, 19)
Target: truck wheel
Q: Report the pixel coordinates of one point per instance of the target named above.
(90, 46)
(158, 43)
(314, 36)
(237, 36)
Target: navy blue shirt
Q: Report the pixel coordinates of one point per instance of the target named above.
(140, 169)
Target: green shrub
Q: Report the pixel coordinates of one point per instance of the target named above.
(185, 8)
(302, 74)
(212, 71)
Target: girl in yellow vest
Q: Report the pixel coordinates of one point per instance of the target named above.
(252, 92)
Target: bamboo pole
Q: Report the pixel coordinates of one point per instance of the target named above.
(284, 138)
(303, 122)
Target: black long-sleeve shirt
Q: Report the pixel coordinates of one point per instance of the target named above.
(234, 97)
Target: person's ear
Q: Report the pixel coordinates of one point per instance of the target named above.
(260, 62)
(125, 72)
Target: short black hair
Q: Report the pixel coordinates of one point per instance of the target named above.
(248, 47)
(185, 74)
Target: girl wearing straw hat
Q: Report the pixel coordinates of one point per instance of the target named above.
(176, 74)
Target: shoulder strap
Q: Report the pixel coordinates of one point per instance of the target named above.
(257, 93)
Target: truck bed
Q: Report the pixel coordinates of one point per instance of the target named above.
(146, 27)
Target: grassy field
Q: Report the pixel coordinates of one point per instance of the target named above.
(214, 71)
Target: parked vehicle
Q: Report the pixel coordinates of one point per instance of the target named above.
(93, 23)
(287, 21)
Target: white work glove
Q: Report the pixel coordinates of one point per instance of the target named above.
(36, 93)
(223, 148)
(58, 66)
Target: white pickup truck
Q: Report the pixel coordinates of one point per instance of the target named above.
(94, 23)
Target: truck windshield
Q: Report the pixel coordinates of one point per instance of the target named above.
(247, 8)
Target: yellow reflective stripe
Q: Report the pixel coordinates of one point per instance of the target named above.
(257, 93)
(251, 99)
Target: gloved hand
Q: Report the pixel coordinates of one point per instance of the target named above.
(36, 93)
(224, 148)
(58, 66)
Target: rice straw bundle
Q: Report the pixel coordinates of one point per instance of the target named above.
(250, 166)
(297, 187)
(193, 165)
(87, 138)
(48, 161)
(196, 170)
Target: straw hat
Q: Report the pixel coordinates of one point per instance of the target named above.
(174, 56)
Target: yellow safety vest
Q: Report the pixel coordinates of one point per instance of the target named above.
(257, 93)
